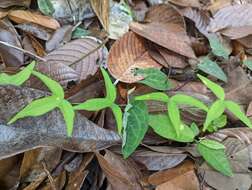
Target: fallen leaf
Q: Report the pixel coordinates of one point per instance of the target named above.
(101, 9)
(9, 3)
(11, 57)
(41, 131)
(121, 174)
(58, 182)
(155, 161)
(186, 3)
(24, 16)
(170, 36)
(74, 61)
(37, 46)
(131, 53)
(3, 13)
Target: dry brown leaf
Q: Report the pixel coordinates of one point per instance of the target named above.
(37, 46)
(126, 54)
(8, 3)
(164, 13)
(186, 3)
(246, 41)
(236, 20)
(72, 61)
(3, 13)
(249, 111)
(170, 36)
(57, 183)
(121, 173)
(217, 5)
(24, 16)
(101, 9)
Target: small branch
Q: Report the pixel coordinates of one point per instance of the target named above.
(91, 52)
(23, 50)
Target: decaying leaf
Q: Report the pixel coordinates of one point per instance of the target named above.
(74, 61)
(47, 130)
(125, 55)
(8, 3)
(186, 3)
(170, 36)
(23, 16)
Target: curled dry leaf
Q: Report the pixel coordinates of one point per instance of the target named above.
(121, 173)
(126, 54)
(9, 3)
(24, 16)
(73, 61)
(164, 13)
(170, 36)
(236, 20)
(46, 130)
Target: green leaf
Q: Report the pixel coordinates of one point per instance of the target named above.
(195, 129)
(19, 78)
(248, 63)
(217, 47)
(174, 115)
(68, 113)
(161, 124)
(236, 110)
(46, 7)
(218, 123)
(110, 88)
(190, 101)
(215, 111)
(212, 68)
(37, 108)
(157, 96)
(80, 33)
(118, 117)
(215, 88)
(154, 78)
(212, 144)
(215, 158)
(94, 104)
(52, 85)
(136, 127)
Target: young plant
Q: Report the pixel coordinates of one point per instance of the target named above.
(46, 104)
(19, 78)
(106, 102)
(217, 109)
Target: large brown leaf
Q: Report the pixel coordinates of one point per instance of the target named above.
(8, 3)
(73, 61)
(170, 36)
(236, 20)
(122, 174)
(46, 130)
(126, 54)
(23, 16)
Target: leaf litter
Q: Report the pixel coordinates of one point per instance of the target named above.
(151, 50)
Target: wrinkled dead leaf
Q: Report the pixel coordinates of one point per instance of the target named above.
(125, 55)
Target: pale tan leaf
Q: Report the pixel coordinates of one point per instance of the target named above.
(126, 54)
(24, 16)
(101, 9)
(8, 3)
(231, 16)
(237, 32)
(3, 13)
(186, 3)
(170, 36)
(72, 61)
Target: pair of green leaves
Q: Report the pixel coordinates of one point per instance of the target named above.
(46, 104)
(214, 153)
(217, 109)
(107, 102)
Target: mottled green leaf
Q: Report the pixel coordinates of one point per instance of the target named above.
(94, 104)
(190, 101)
(215, 158)
(215, 88)
(236, 110)
(46, 7)
(37, 108)
(157, 96)
(215, 111)
(217, 47)
(52, 85)
(19, 78)
(212, 68)
(154, 78)
(68, 113)
(136, 127)
(161, 124)
(80, 33)
(118, 117)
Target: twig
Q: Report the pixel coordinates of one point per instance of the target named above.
(23, 50)
(91, 52)
(49, 176)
